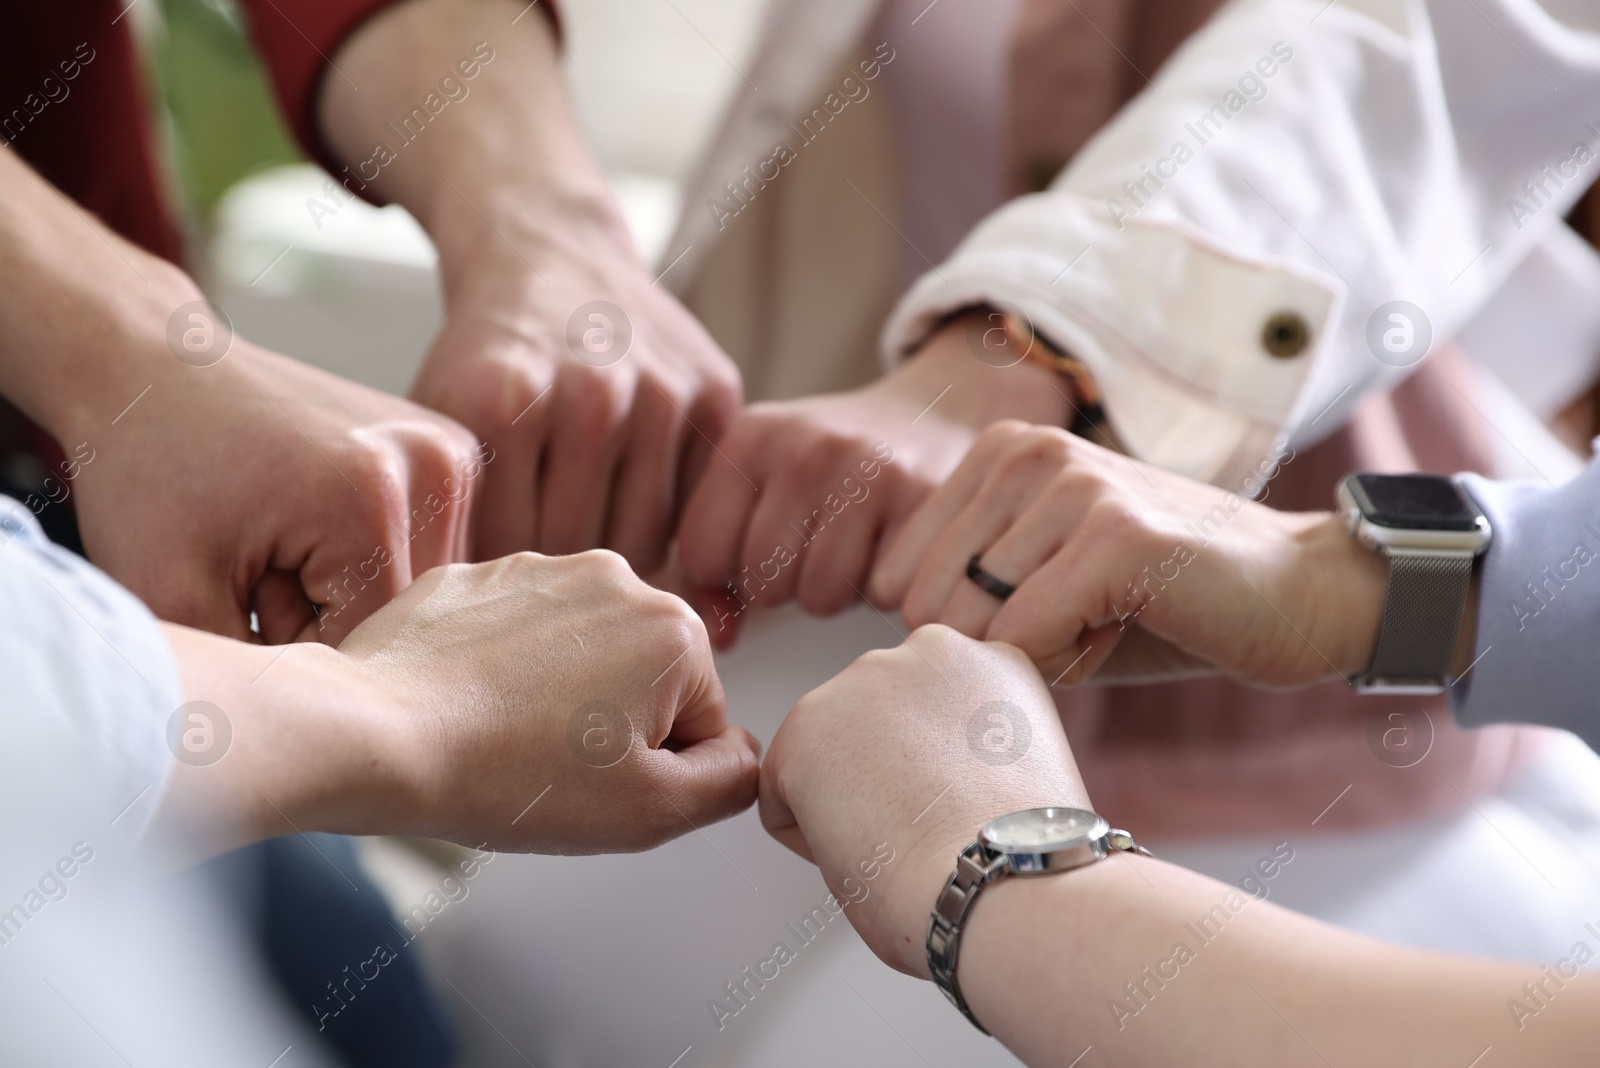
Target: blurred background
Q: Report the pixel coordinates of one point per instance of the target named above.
(355, 291)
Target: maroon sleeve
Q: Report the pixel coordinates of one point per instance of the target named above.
(297, 40)
(72, 105)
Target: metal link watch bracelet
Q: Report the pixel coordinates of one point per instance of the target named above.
(1032, 842)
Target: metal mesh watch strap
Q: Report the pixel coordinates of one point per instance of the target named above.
(1421, 619)
(976, 868)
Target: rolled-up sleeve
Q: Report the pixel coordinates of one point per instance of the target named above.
(1227, 254)
(1538, 608)
(297, 40)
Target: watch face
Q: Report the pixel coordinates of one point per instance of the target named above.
(1043, 830)
(1414, 502)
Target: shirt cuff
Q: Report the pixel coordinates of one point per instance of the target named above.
(1201, 353)
(1538, 607)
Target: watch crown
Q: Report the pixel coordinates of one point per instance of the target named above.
(1118, 839)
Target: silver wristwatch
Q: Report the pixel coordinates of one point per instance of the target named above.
(1035, 841)
(1431, 531)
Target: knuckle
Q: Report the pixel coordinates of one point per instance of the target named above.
(498, 394)
(1075, 487)
(1116, 521)
(1005, 431)
(752, 429)
(594, 401)
(382, 482)
(1036, 451)
(676, 622)
(998, 437)
(936, 635)
(439, 450)
(606, 565)
(814, 462)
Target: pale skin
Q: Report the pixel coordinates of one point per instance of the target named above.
(249, 483)
(1128, 572)
(1042, 958)
(781, 460)
(458, 711)
(528, 232)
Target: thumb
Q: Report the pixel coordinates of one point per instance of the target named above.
(694, 697)
(708, 781)
(196, 597)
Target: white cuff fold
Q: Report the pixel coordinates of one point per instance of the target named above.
(1207, 401)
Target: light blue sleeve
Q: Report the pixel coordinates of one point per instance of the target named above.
(88, 676)
(1538, 644)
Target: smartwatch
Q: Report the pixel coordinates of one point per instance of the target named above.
(1034, 841)
(1431, 531)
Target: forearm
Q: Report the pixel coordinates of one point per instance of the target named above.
(502, 160)
(83, 313)
(297, 741)
(1116, 956)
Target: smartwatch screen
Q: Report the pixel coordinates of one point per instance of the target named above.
(1417, 502)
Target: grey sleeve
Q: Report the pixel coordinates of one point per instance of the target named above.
(1538, 643)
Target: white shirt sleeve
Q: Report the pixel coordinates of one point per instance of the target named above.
(1370, 170)
(90, 682)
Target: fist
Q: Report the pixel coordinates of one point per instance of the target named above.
(913, 749)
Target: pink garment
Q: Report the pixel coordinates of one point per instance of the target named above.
(1074, 63)
(948, 87)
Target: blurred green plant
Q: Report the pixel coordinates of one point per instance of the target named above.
(222, 115)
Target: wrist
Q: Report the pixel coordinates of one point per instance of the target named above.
(310, 742)
(521, 234)
(93, 349)
(505, 166)
(1349, 583)
(384, 760)
(909, 903)
(342, 761)
(983, 391)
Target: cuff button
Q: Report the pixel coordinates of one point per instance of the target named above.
(1286, 335)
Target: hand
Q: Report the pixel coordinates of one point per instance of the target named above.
(530, 703)
(916, 748)
(261, 484)
(1132, 569)
(600, 418)
(804, 492)
(211, 477)
(565, 674)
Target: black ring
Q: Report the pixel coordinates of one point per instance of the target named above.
(986, 582)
